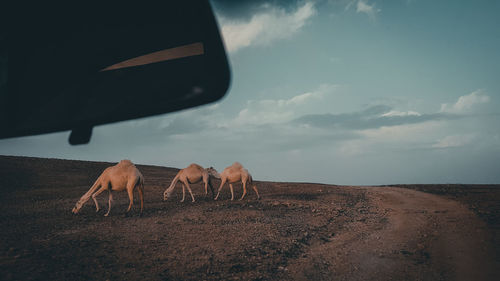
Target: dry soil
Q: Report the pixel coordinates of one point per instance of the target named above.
(297, 231)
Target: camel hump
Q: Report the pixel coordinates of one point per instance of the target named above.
(194, 165)
(125, 162)
(237, 165)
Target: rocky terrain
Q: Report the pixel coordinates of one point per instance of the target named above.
(298, 231)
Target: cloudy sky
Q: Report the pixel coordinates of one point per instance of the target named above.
(341, 92)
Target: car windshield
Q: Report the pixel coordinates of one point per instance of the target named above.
(358, 140)
(353, 92)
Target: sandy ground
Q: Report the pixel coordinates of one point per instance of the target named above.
(410, 235)
(298, 231)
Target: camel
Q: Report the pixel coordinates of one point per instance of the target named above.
(193, 173)
(123, 176)
(235, 173)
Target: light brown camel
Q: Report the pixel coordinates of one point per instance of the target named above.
(235, 173)
(122, 176)
(193, 173)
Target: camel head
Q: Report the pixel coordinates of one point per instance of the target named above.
(77, 207)
(167, 194)
(213, 172)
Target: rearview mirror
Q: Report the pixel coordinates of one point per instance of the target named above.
(74, 67)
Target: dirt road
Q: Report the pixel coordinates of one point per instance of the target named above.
(298, 231)
(420, 237)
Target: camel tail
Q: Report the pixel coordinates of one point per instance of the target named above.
(140, 186)
(141, 183)
(253, 185)
(250, 180)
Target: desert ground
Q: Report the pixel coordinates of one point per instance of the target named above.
(297, 231)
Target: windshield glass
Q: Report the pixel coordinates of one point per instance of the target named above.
(345, 92)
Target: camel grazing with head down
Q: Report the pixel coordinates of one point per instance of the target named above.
(235, 173)
(122, 176)
(193, 173)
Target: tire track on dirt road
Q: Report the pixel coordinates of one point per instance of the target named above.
(418, 236)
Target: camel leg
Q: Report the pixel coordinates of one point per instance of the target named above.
(101, 190)
(140, 189)
(109, 202)
(223, 181)
(190, 191)
(211, 188)
(232, 191)
(130, 192)
(244, 190)
(183, 192)
(205, 181)
(256, 191)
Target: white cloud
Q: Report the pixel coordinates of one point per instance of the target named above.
(352, 148)
(266, 113)
(418, 133)
(401, 113)
(274, 111)
(300, 99)
(390, 138)
(454, 141)
(263, 28)
(466, 103)
(370, 10)
(348, 6)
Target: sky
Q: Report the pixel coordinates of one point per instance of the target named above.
(350, 92)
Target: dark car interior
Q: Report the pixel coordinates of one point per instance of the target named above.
(66, 66)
